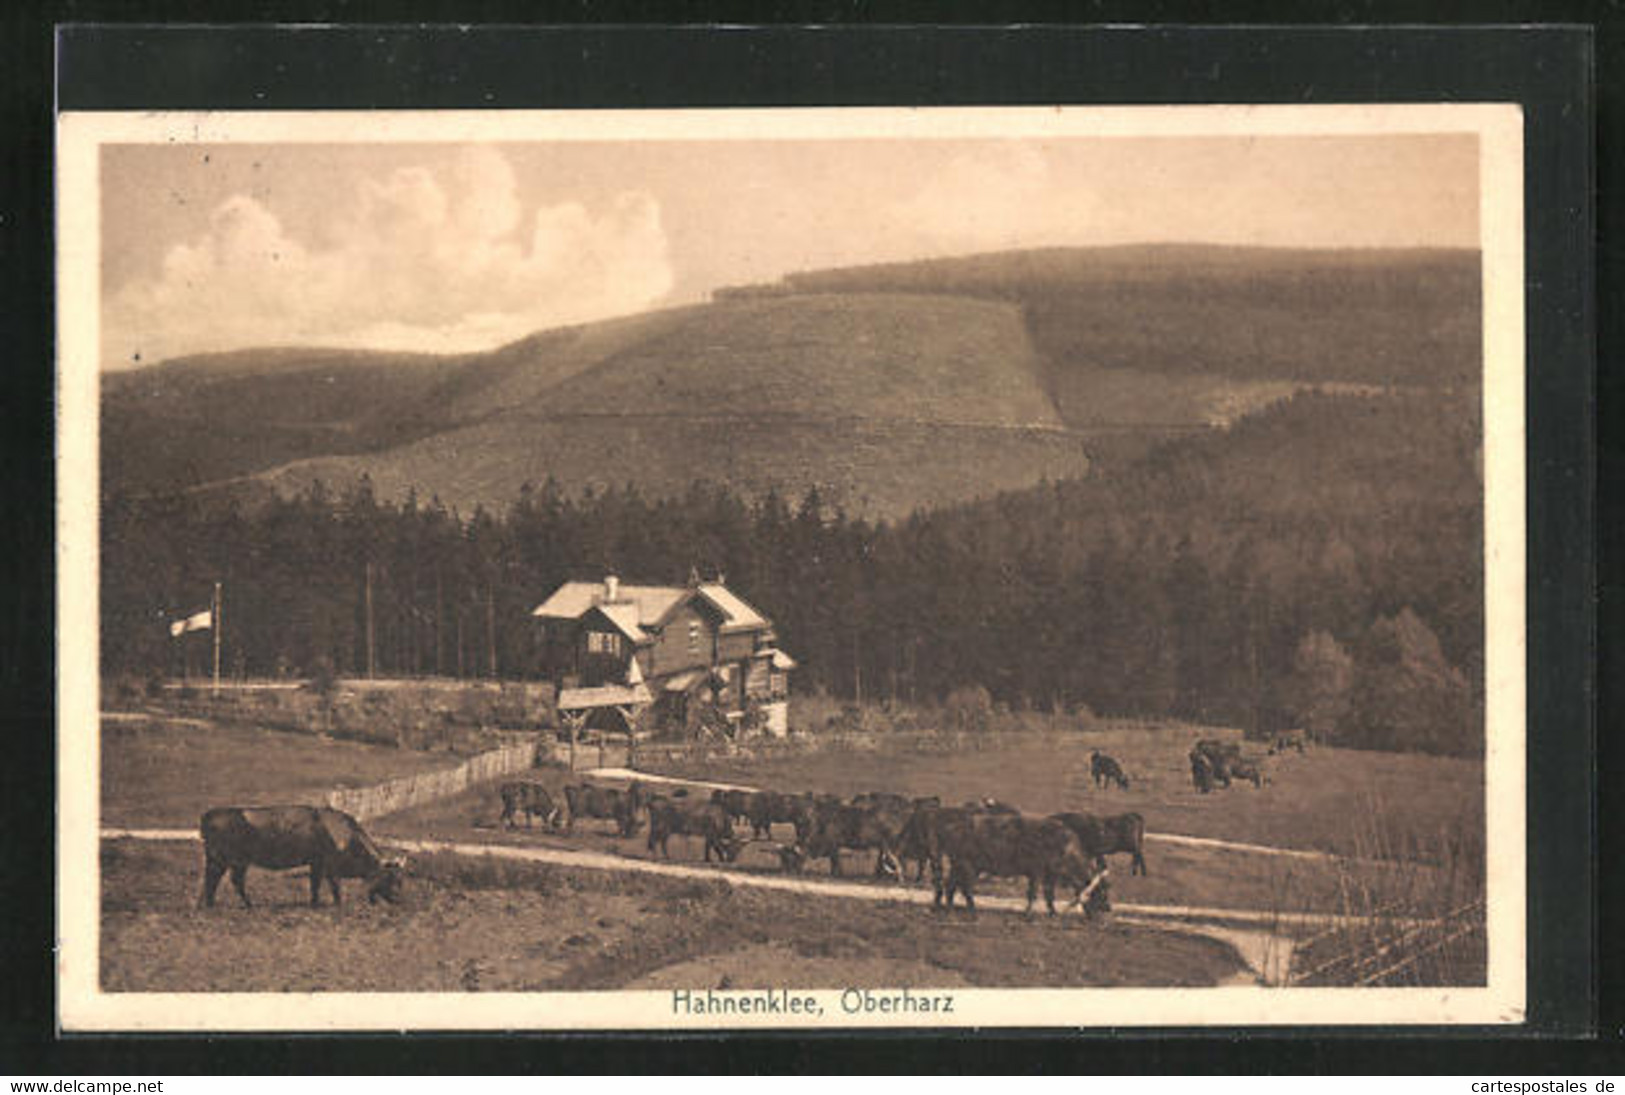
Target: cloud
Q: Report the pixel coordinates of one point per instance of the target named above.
(419, 259)
(1001, 196)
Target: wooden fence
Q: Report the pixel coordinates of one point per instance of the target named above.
(409, 791)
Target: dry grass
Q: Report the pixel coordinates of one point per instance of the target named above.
(1418, 923)
(478, 926)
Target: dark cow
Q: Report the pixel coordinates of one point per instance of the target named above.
(279, 838)
(764, 808)
(920, 840)
(992, 805)
(876, 825)
(1201, 771)
(708, 820)
(1284, 742)
(1104, 836)
(1124, 833)
(1246, 768)
(885, 799)
(1220, 756)
(530, 799)
(1106, 771)
(1042, 850)
(607, 803)
(736, 803)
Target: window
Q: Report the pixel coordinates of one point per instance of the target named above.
(601, 642)
(694, 636)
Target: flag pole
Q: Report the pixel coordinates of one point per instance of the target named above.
(216, 630)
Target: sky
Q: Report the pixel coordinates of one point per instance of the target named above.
(459, 247)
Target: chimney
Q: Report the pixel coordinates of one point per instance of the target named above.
(612, 588)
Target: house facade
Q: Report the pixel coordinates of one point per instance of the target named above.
(691, 646)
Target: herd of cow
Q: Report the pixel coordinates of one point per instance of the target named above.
(1216, 764)
(958, 844)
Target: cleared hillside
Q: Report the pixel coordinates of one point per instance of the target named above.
(1365, 316)
(889, 387)
(928, 359)
(876, 469)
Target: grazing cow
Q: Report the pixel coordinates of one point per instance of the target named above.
(530, 799)
(1106, 771)
(1283, 742)
(1042, 850)
(1220, 756)
(1246, 768)
(607, 803)
(279, 838)
(707, 820)
(1201, 771)
(876, 825)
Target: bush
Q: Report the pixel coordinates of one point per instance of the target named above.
(324, 678)
(968, 707)
(1407, 696)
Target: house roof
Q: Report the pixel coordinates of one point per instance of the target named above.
(781, 660)
(682, 682)
(572, 599)
(638, 607)
(625, 617)
(609, 695)
(737, 615)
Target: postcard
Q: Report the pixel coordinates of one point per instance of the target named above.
(791, 568)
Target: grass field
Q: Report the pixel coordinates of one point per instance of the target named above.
(491, 924)
(166, 773)
(1317, 801)
(469, 925)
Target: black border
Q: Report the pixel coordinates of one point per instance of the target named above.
(1547, 69)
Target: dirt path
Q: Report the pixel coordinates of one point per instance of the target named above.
(1266, 953)
(1166, 838)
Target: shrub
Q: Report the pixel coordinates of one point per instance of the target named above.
(968, 707)
(1407, 696)
(324, 678)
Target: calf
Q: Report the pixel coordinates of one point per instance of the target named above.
(707, 820)
(1106, 771)
(278, 838)
(590, 800)
(1044, 851)
(530, 799)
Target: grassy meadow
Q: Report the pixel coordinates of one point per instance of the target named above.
(165, 772)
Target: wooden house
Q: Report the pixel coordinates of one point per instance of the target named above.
(689, 645)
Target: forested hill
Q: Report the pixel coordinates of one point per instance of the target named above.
(1319, 564)
(1355, 316)
(889, 388)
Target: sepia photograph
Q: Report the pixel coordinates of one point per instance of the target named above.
(814, 568)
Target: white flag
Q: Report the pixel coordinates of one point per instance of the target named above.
(198, 621)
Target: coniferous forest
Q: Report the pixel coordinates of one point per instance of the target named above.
(1319, 564)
